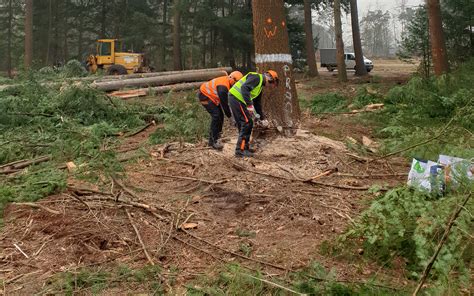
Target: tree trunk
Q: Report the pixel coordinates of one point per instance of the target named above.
(177, 36)
(438, 44)
(10, 37)
(341, 65)
(272, 52)
(308, 28)
(50, 26)
(164, 35)
(359, 56)
(103, 23)
(159, 80)
(28, 33)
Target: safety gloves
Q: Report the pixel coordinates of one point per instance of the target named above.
(252, 112)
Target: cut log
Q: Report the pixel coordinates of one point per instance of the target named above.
(141, 92)
(156, 74)
(157, 81)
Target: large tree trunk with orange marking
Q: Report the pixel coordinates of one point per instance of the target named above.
(272, 52)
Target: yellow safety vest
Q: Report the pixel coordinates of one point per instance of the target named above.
(237, 92)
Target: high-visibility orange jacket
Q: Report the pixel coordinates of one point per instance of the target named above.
(217, 91)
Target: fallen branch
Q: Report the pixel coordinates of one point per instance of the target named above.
(372, 175)
(187, 178)
(443, 130)
(428, 267)
(141, 129)
(37, 206)
(236, 254)
(17, 165)
(21, 251)
(325, 173)
(139, 238)
(272, 284)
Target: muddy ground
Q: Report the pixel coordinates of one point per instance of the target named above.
(194, 209)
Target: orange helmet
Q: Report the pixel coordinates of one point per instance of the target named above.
(235, 76)
(273, 76)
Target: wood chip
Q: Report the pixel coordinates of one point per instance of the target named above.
(189, 225)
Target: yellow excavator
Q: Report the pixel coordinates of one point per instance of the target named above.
(115, 62)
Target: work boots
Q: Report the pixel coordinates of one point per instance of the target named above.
(216, 145)
(243, 153)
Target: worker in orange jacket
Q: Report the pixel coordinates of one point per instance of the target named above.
(213, 96)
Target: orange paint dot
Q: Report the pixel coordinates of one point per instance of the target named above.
(283, 23)
(269, 20)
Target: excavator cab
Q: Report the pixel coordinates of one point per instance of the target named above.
(110, 58)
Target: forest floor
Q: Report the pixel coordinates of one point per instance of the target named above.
(195, 210)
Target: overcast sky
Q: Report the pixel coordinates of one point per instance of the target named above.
(365, 5)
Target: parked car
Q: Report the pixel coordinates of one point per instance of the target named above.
(328, 60)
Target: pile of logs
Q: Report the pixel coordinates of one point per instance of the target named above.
(143, 84)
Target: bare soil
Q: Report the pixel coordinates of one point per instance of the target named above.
(259, 212)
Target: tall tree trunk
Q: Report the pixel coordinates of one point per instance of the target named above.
(438, 44)
(341, 65)
(308, 28)
(50, 26)
(10, 37)
(272, 52)
(28, 33)
(359, 56)
(164, 35)
(103, 18)
(177, 65)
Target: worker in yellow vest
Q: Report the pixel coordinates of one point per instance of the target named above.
(213, 96)
(245, 103)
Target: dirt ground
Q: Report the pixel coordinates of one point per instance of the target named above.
(193, 209)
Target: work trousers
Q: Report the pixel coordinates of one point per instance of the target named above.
(244, 122)
(217, 118)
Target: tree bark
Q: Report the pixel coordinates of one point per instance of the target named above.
(160, 80)
(272, 52)
(308, 27)
(50, 25)
(156, 74)
(10, 37)
(438, 44)
(28, 33)
(177, 36)
(359, 56)
(341, 65)
(164, 35)
(103, 23)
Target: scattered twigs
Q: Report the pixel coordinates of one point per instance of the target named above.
(85, 191)
(148, 257)
(371, 175)
(197, 248)
(21, 251)
(428, 267)
(187, 178)
(236, 254)
(272, 284)
(288, 170)
(38, 206)
(21, 164)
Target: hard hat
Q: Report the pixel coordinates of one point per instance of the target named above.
(236, 76)
(273, 76)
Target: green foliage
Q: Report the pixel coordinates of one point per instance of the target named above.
(312, 280)
(95, 281)
(418, 110)
(74, 124)
(184, 120)
(329, 102)
(364, 97)
(409, 224)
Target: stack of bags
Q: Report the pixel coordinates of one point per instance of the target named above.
(438, 176)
